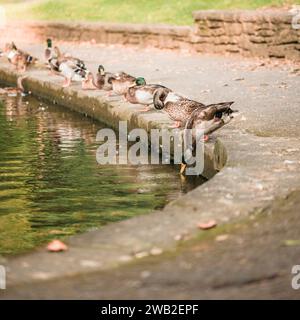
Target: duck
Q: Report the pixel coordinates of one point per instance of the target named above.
(176, 106)
(49, 51)
(121, 83)
(72, 69)
(142, 93)
(51, 58)
(104, 79)
(19, 58)
(203, 122)
(14, 91)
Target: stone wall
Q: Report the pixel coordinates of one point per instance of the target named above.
(266, 33)
(252, 33)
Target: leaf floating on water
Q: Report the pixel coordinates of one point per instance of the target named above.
(56, 246)
(207, 225)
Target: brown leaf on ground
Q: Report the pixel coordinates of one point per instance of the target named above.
(222, 237)
(56, 246)
(207, 225)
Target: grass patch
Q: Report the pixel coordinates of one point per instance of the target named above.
(132, 11)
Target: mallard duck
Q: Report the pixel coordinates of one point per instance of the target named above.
(49, 51)
(176, 106)
(121, 83)
(104, 79)
(142, 93)
(204, 121)
(19, 58)
(51, 58)
(72, 69)
(14, 91)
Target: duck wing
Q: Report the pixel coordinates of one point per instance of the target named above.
(196, 116)
(190, 106)
(125, 76)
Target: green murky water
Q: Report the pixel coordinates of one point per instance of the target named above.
(51, 185)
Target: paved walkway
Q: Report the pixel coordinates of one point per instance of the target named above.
(256, 256)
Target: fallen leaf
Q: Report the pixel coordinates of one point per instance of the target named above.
(156, 251)
(56, 246)
(222, 237)
(207, 225)
(289, 162)
(178, 237)
(292, 242)
(142, 254)
(54, 231)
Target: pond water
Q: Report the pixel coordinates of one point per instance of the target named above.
(51, 185)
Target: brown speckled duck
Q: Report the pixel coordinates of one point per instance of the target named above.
(142, 93)
(104, 79)
(176, 106)
(203, 122)
(20, 59)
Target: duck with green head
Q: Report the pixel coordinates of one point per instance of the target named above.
(72, 69)
(142, 93)
(49, 52)
(50, 56)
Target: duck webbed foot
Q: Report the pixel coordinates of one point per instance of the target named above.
(182, 168)
(177, 124)
(146, 109)
(21, 68)
(110, 93)
(205, 137)
(66, 83)
(87, 85)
